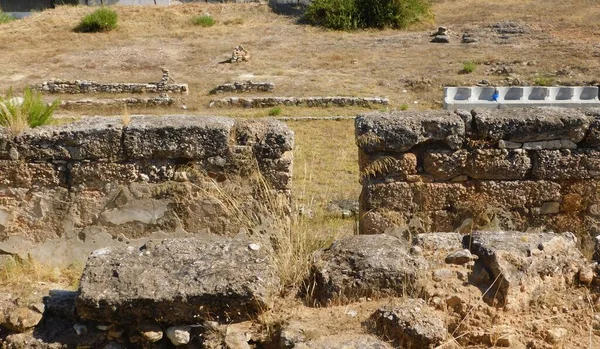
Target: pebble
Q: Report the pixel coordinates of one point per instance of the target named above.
(179, 335)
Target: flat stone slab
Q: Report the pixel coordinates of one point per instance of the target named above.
(178, 281)
(518, 265)
(399, 132)
(365, 266)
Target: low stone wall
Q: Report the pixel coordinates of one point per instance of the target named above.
(516, 169)
(130, 102)
(83, 86)
(242, 87)
(67, 190)
(265, 102)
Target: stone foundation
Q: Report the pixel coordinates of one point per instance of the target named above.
(67, 190)
(514, 169)
(265, 102)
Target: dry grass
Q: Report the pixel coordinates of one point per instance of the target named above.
(301, 60)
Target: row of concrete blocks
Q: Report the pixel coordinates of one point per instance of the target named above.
(520, 97)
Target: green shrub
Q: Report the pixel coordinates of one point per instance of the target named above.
(544, 80)
(275, 111)
(404, 106)
(30, 112)
(353, 14)
(101, 20)
(204, 21)
(5, 17)
(468, 67)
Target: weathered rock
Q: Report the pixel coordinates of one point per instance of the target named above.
(177, 281)
(532, 124)
(439, 242)
(556, 335)
(17, 174)
(519, 264)
(92, 138)
(460, 257)
(61, 304)
(179, 335)
(22, 319)
(504, 336)
(413, 324)
(445, 165)
(498, 164)
(400, 132)
(441, 39)
(550, 145)
(151, 332)
(399, 167)
(365, 266)
(177, 137)
(566, 164)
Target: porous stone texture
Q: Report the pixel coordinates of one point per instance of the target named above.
(516, 266)
(413, 324)
(68, 190)
(365, 266)
(265, 102)
(160, 101)
(178, 281)
(512, 169)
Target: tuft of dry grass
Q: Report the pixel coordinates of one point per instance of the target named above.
(24, 276)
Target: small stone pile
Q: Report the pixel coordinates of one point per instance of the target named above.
(441, 36)
(240, 54)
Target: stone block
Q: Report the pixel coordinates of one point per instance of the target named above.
(17, 174)
(520, 265)
(5, 141)
(498, 164)
(177, 137)
(412, 324)
(519, 194)
(401, 131)
(178, 281)
(412, 197)
(396, 166)
(92, 138)
(269, 138)
(365, 266)
(532, 124)
(566, 164)
(445, 165)
(550, 145)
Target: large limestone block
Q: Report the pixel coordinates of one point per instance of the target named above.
(520, 194)
(532, 124)
(401, 131)
(99, 174)
(177, 137)
(178, 281)
(498, 164)
(593, 137)
(91, 138)
(566, 164)
(516, 265)
(269, 138)
(412, 324)
(398, 166)
(365, 266)
(445, 165)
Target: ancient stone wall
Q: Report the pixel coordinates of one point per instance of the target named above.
(262, 102)
(83, 86)
(67, 190)
(514, 169)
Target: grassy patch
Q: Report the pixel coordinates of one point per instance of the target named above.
(404, 106)
(101, 20)
(17, 114)
(468, 67)
(275, 111)
(204, 21)
(543, 80)
(5, 17)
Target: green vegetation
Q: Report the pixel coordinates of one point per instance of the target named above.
(204, 21)
(5, 17)
(468, 67)
(404, 106)
(31, 111)
(543, 80)
(101, 20)
(355, 14)
(275, 111)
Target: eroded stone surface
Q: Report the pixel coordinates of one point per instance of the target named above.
(364, 266)
(177, 281)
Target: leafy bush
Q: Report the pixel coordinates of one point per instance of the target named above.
(353, 14)
(30, 111)
(204, 21)
(275, 111)
(101, 20)
(468, 67)
(5, 17)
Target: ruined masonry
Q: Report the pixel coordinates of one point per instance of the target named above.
(68, 190)
(514, 169)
